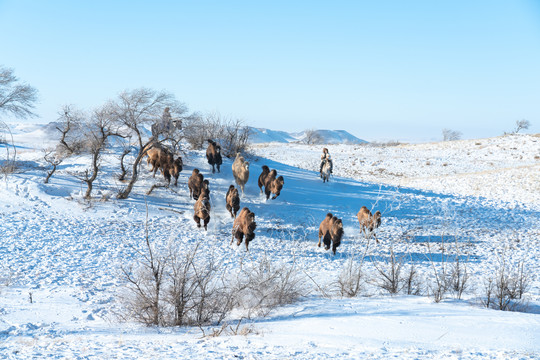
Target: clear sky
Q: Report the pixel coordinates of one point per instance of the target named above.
(382, 70)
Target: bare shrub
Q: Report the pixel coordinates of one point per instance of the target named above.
(440, 282)
(145, 286)
(267, 285)
(351, 279)
(459, 275)
(412, 283)
(197, 293)
(180, 288)
(389, 273)
(504, 290)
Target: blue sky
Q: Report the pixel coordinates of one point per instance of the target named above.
(401, 70)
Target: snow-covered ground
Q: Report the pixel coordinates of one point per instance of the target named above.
(61, 257)
(503, 168)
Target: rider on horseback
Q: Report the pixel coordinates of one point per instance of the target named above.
(324, 158)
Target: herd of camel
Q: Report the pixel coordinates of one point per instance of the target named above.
(330, 229)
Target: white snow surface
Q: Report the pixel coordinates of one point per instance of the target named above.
(476, 199)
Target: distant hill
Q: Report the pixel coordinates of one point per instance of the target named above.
(261, 135)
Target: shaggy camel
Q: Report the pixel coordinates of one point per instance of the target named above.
(331, 230)
(232, 201)
(195, 184)
(202, 209)
(272, 185)
(369, 221)
(157, 157)
(160, 158)
(240, 169)
(213, 155)
(173, 169)
(244, 225)
(264, 174)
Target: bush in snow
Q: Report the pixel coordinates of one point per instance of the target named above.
(265, 285)
(505, 289)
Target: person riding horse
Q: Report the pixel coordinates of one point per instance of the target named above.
(324, 158)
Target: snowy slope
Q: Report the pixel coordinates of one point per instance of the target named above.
(261, 135)
(66, 255)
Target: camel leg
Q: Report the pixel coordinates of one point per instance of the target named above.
(206, 221)
(239, 238)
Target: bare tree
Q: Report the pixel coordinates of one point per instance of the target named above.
(312, 137)
(70, 121)
(236, 136)
(16, 98)
(231, 133)
(132, 112)
(54, 159)
(8, 166)
(451, 135)
(522, 124)
(98, 131)
(199, 128)
(126, 150)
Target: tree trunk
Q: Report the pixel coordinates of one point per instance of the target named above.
(95, 169)
(125, 193)
(50, 173)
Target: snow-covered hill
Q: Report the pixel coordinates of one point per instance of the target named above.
(261, 135)
(61, 257)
